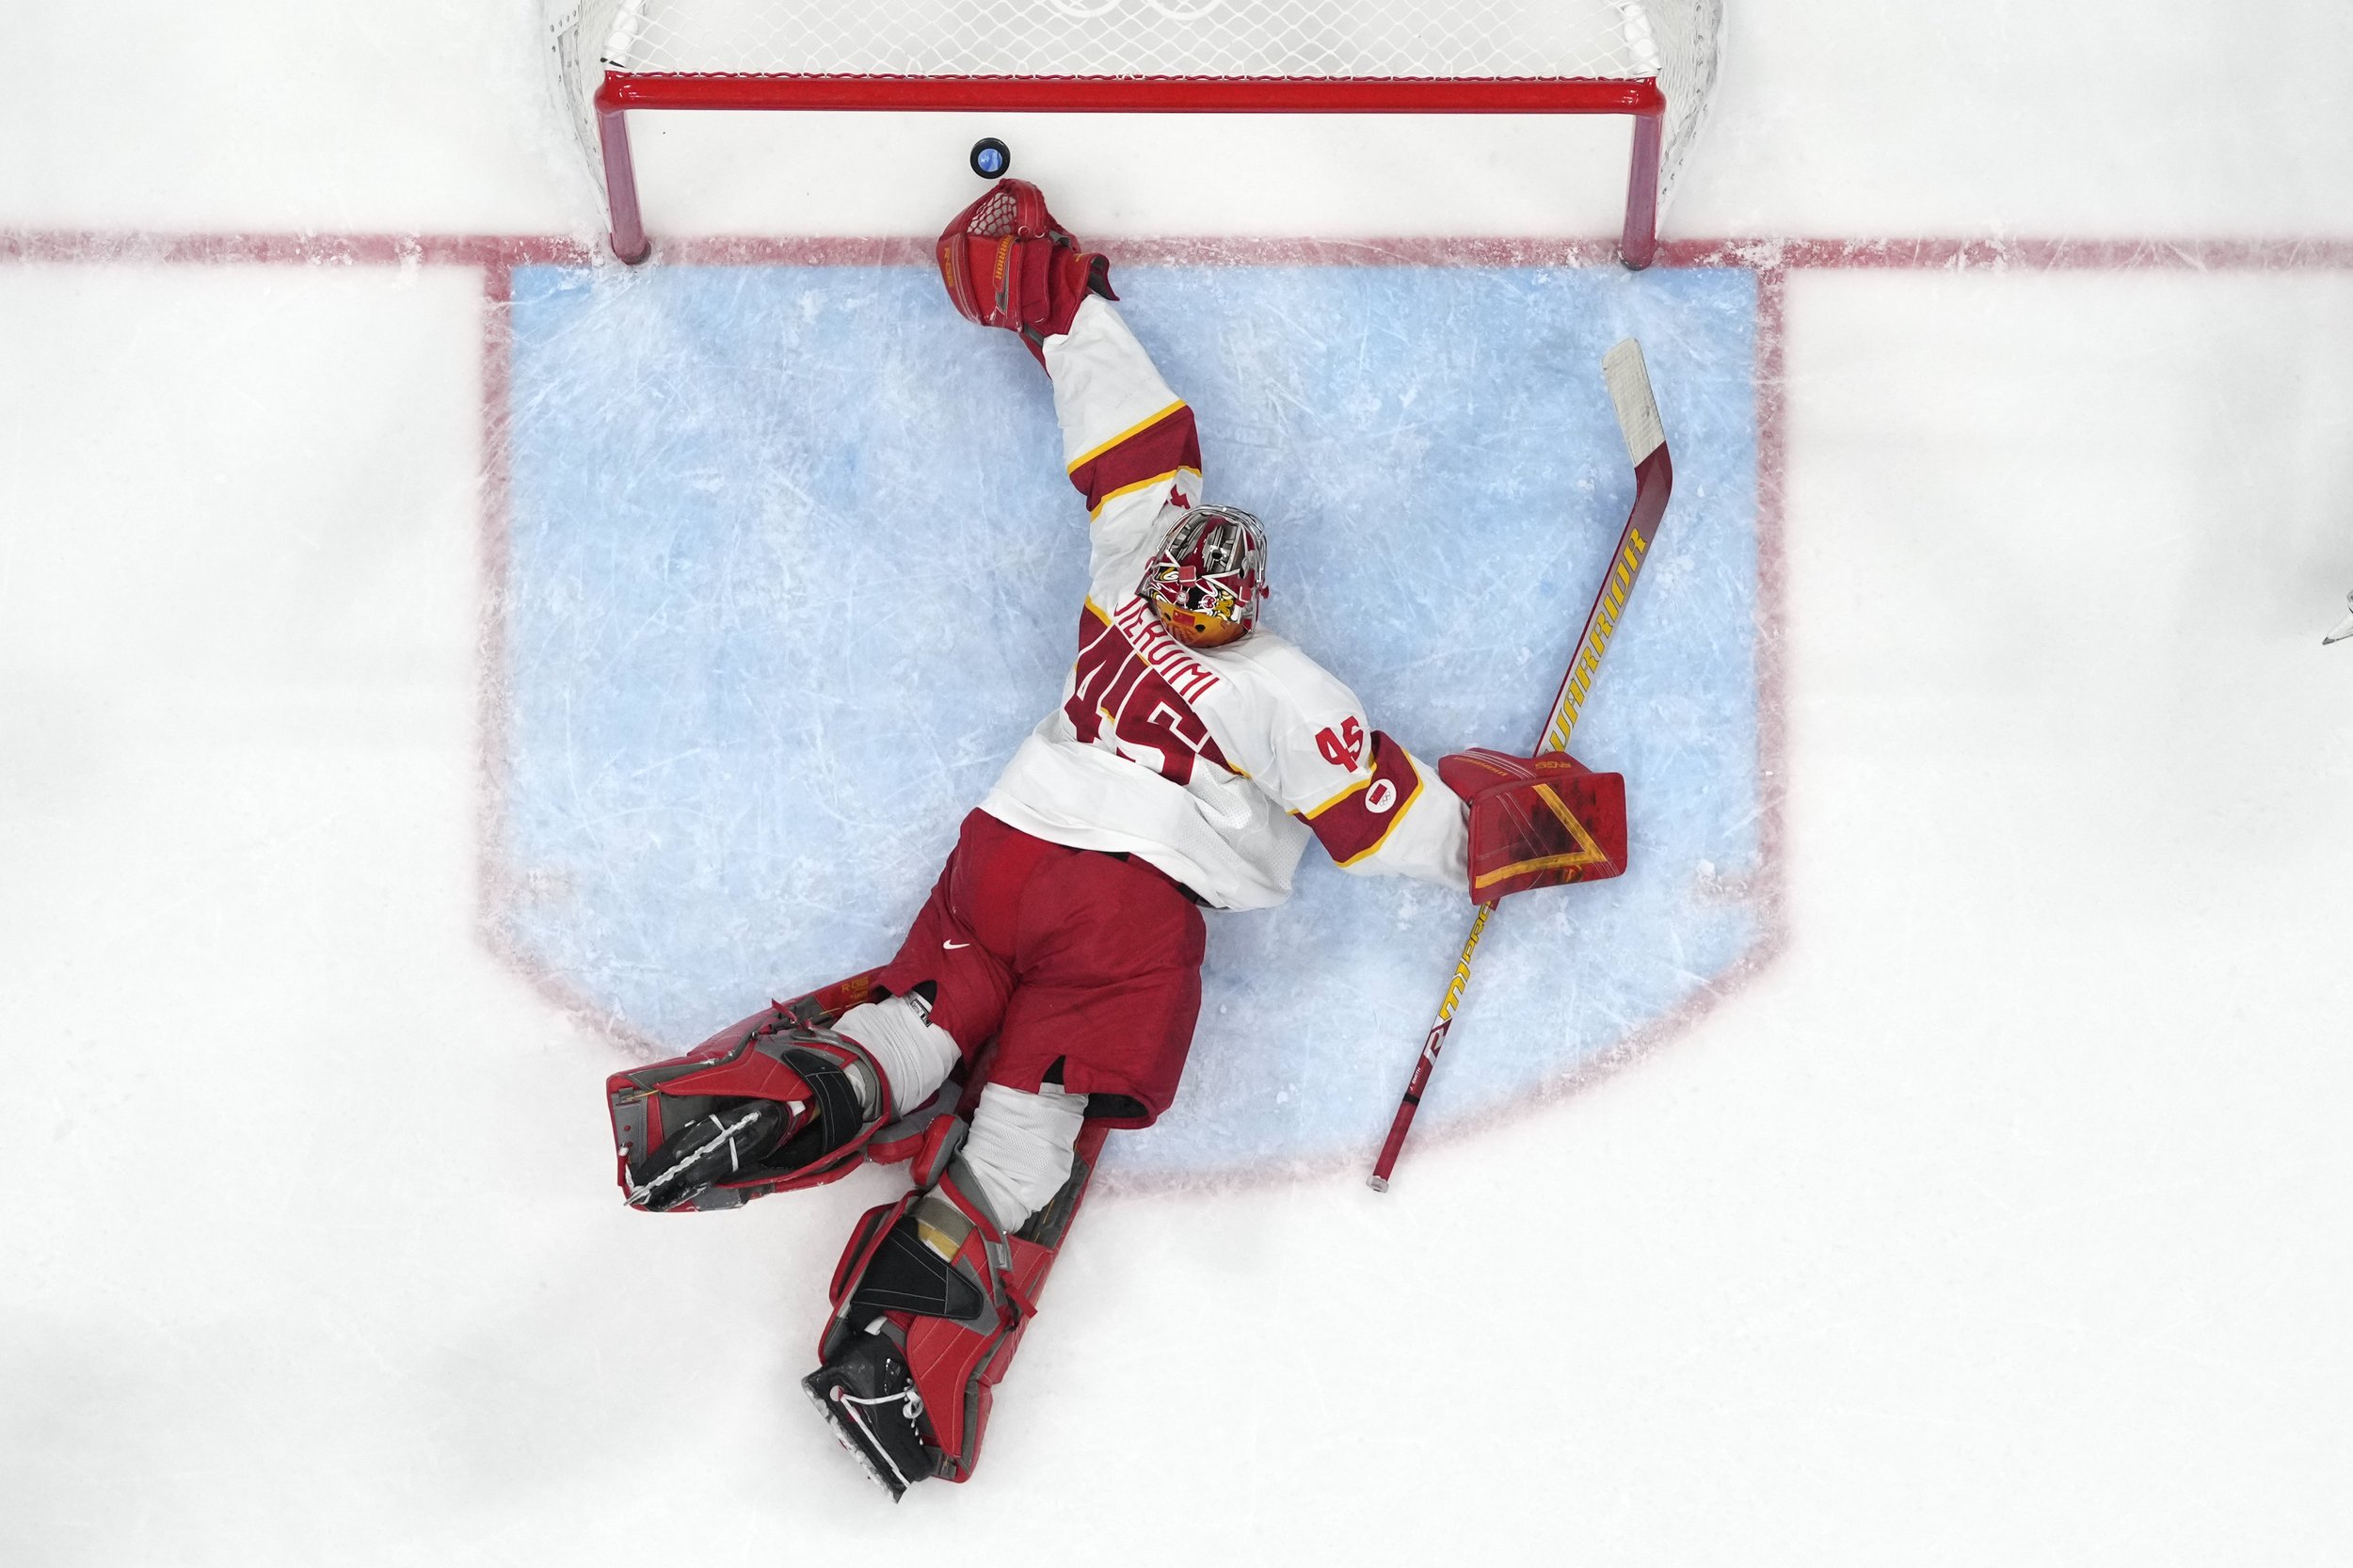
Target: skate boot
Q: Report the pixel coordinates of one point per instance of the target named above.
(722, 1147)
(867, 1394)
(765, 1105)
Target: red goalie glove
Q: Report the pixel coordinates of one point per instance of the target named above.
(1008, 263)
(1537, 821)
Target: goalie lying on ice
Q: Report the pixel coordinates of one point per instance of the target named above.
(1048, 991)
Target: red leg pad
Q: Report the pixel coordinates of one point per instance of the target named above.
(743, 1061)
(956, 1357)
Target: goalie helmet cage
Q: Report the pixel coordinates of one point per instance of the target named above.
(1652, 59)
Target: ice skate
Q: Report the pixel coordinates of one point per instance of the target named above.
(868, 1399)
(708, 1150)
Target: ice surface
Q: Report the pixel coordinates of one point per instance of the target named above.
(794, 567)
(2002, 1220)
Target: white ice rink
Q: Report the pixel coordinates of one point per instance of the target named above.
(2006, 1217)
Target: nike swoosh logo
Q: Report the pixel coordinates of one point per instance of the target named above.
(953, 946)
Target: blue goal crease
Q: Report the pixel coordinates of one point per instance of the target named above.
(794, 567)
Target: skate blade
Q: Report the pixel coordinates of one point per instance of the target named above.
(850, 1439)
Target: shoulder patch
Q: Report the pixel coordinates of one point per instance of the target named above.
(1358, 820)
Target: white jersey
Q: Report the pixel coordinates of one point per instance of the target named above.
(1216, 765)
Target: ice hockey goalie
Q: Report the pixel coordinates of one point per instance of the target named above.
(1047, 991)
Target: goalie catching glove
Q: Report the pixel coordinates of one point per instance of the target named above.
(1008, 263)
(1537, 821)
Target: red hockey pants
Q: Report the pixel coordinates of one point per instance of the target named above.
(1069, 958)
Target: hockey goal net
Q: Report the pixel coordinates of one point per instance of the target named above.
(1653, 59)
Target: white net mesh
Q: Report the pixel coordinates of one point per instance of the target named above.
(1673, 40)
(1689, 36)
(1322, 38)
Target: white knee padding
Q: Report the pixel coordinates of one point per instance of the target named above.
(915, 1054)
(1019, 1148)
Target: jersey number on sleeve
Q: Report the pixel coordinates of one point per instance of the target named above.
(1343, 748)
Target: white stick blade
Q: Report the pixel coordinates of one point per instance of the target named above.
(1628, 379)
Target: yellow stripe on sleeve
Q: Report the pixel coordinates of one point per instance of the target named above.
(1130, 489)
(1315, 812)
(1091, 454)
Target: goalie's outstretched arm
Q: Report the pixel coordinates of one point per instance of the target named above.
(1123, 433)
(1129, 444)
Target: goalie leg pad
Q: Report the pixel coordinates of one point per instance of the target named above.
(773, 1101)
(936, 1277)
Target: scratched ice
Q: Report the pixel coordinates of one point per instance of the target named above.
(794, 567)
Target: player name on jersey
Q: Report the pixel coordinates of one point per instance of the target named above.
(1135, 679)
(1164, 654)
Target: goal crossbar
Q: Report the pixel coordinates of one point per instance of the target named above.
(1140, 94)
(1638, 97)
(1654, 61)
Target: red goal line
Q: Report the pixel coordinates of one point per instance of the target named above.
(295, 247)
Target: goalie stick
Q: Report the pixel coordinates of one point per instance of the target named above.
(1629, 380)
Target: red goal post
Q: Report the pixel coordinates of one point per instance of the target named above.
(1655, 60)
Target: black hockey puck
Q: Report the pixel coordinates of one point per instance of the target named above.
(991, 159)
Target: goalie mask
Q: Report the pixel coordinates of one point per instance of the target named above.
(1208, 577)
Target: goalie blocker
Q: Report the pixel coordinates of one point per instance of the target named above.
(1537, 821)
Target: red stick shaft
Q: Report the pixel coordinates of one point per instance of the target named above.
(1403, 1120)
